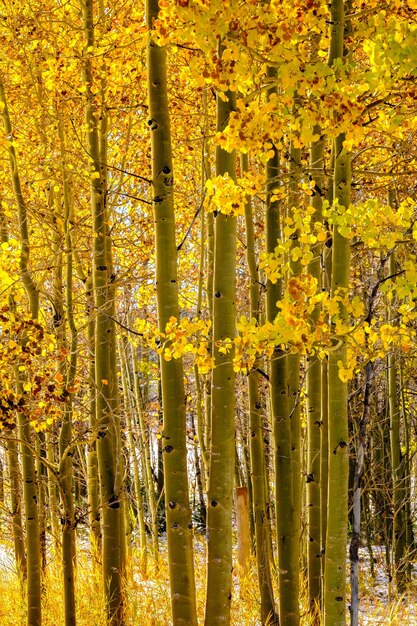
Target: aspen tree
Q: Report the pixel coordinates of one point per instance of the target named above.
(129, 402)
(113, 385)
(178, 513)
(326, 274)
(397, 465)
(294, 360)
(257, 452)
(336, 538)
(222, 450)
(202, 416)
(409, 550)
(66, 450)
(357, 495)
(30, 487)
(92, 463)
(209, 262)
(91, 460)
(314, 406)
(145, 450)
(287, 528)
(106, 388)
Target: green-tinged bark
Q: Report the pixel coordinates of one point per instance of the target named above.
(106, 387)
(222, 451)
(178, 513)
(287, 527)
(39, 441)
(92, 478)
(52, 488)
(257, 452)
(294, 360)
(113, 384)
(324, 429)
(406, 473)
(357, 495)
(65, 439)
(202, 476)
(16, 504)
(324, 463)
(129, 399)
(30, 488)
(336, 538)
(209, 248)
(94, 510)
(314, 408)
(398, 504)
(145, 455)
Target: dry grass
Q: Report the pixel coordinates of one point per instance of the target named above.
(148, 596)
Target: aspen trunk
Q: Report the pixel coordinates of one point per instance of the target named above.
(336, 539)
(357, 496)
(242, 526)
(314, 411)
(294, 360)
(399, 521)
(128, 386)
(178, 513)
(92, 463)
(16, 505)
(147, 469)
(287, 528)
(30, 487)
(106, 387)
(222, 452)
(257, 452)
(65, 439)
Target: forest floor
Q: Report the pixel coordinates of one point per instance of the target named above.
(148, 593)
(378, 604)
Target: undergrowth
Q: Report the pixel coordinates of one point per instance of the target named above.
(147, 595)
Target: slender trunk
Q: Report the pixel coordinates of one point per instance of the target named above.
(94, 510)
(257, 452)
(41, 474)
(336, 539)
(294, 360)
(16, 505)
(147, 469)
(106, 387)
(242, 527)
(287, 527)
(222, 452)
(127, 381)
(357, 496)
(65, 439)
(314, 411)
(30, 487)
(178, 513)
(406, 475)
(399, 527)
